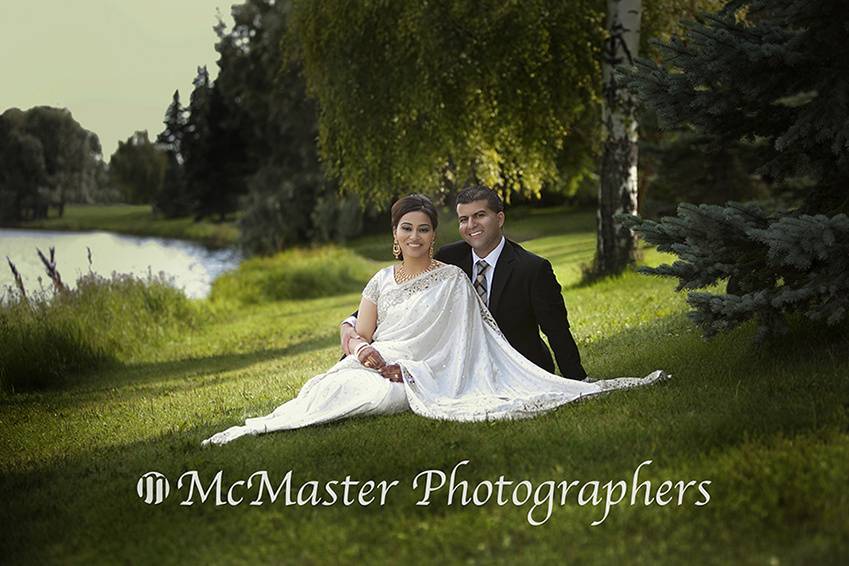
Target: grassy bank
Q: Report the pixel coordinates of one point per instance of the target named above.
(294, 274)
(769, 427)
(524, 224)
(49, 341)
(138, 220)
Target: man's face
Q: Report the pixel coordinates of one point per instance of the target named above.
(480, 226)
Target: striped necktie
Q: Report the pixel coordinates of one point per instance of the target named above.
(480, 280)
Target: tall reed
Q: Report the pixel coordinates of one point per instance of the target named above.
(49, 339)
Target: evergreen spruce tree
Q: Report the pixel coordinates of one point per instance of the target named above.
(226, 159)
(197, 138)
(769, 72)
(172, 200)
(171, 138)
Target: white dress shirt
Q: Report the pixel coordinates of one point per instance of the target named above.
(491, 259)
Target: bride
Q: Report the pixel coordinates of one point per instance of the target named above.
(425, 342)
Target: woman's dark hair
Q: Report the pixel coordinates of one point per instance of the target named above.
(413, 203)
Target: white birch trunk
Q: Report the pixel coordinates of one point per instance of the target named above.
(616, 245)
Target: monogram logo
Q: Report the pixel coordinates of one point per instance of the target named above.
(153, 488)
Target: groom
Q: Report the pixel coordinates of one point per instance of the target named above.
(519, 287)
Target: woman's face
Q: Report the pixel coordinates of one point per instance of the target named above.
(415, 234)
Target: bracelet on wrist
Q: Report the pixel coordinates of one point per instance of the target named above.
(346, 345)
(359, 349)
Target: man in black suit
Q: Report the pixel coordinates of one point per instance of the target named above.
(519, 287)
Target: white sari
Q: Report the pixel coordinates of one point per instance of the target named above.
(455, 362)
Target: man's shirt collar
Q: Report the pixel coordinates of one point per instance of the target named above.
(493, 256)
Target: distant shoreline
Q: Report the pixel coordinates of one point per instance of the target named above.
(136, 220)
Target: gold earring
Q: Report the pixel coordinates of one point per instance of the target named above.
(431, 247)
(396, 250)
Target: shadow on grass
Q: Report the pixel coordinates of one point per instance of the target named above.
(674, 341)
(531, 223)
(203, 368)
(163, 378)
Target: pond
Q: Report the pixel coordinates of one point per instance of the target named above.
(192, 266)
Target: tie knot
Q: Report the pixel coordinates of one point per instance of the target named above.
(482, 266)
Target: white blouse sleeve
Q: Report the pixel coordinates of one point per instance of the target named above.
(372, 289)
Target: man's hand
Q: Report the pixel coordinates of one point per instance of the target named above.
(371, 358)
(346, 333)
(392, 372)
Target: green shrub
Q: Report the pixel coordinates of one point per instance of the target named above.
(102, 321)
(276, 210)
(294, 274)
(337, 218)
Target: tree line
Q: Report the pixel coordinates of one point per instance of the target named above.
(312, 127)
(46, 160)
(244, 143)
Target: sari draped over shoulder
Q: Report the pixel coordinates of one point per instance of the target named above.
(456, 363)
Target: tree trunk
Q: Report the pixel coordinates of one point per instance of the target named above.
(616, 245)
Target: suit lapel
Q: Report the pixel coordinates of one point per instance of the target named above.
(503, 270)
(466, 261)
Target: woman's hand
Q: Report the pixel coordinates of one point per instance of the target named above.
(392, 372)
(371, 358)
(346, 334)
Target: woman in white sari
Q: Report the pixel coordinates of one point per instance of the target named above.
(426, 343)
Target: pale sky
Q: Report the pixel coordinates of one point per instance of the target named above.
(114, 64)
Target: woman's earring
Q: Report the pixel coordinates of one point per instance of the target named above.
(433, 241)
(396, 250)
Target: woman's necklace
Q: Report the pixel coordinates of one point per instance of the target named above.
(402, 275)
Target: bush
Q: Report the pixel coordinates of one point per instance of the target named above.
(294, 274)
(282, 210)
(102, 321)
(337, 218)
(277, 211)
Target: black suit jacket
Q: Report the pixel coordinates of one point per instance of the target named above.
(525, 298)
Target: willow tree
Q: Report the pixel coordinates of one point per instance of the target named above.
(427, 95)
(422, 95)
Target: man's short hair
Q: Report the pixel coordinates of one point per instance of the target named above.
(479, 191)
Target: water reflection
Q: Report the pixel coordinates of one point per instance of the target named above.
(192, 266)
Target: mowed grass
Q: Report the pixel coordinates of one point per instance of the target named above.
(769, 426)
(139, 220)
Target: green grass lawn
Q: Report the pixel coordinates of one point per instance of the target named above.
(768, 426)
(139, 220)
